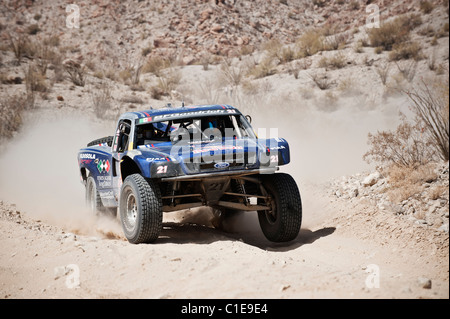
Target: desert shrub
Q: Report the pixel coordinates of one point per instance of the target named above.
(232, 75)
(101, 100)
(321, 80)
(407, 181)
(33, 29)
(76, 72)
(336, 61)
(383, 72)
(11, 108)
(155, 65)
(405, 146)
(426, 7)
(319, 3)
(310, 43)
(416, 142)
(405, 51)
(336, 41)
(430, 103)
(393, 32)
(168, 81)
(407, 69)
(264, 68)
(35, 80)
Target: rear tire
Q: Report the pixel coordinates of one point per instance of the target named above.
(140, 208)
(282, 222)
(94, 202)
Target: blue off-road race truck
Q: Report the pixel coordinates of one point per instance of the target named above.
(177, 158)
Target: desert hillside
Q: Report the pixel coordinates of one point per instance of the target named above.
(346, 96)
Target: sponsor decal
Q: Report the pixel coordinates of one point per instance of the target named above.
(107, 195)
(103, 166)
(216, 148)
(221, 165)
(104, 181)
(189, 114)
(145, 120)
(85, 161)
(153, 159)
(87, 156)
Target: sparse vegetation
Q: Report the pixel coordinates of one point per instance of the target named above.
(264, 68)
(426, 7)
(416, 142)
(101, 99)
(383, 71)
(336, 61)
(321, 80)
(76, 72)
(407, 181)
(393, 32)
(406, 51)
(310, 43)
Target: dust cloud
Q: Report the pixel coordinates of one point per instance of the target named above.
(39, 170)
(326, 144)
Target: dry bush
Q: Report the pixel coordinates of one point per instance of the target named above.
(407, 70)
(407, 181)
(18, 45)
(76, 72)
(230, 74)
(11, 109)
(168, 82)
(426, 7)
(424, 140)
(406, 146)
(430, 104)
(405, 51)
(101, 100)
(155, 65)
(321, 80)
(35, 80)
(337, 61)
(336, 41)
(264, 68)
(310, 43)
(437, 192)
(383, 72)
(393, 32)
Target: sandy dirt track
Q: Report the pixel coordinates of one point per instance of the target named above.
(342, 252)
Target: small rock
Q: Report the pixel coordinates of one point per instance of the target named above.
(424, 282)
(60, 98)
(372, 179)
(444, 228)
(285, 287)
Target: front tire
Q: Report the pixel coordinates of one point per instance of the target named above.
(282, 221)
(140, 208)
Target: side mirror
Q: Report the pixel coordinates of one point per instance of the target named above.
(249, 118)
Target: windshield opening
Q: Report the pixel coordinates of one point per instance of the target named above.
(202, 129)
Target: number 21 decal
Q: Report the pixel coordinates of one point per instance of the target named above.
(161, 169)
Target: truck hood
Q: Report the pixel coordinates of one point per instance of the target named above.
(199, 156)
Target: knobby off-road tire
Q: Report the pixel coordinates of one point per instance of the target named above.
(94, 202)
(108, 140)
(140, 208)
(283, 221)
